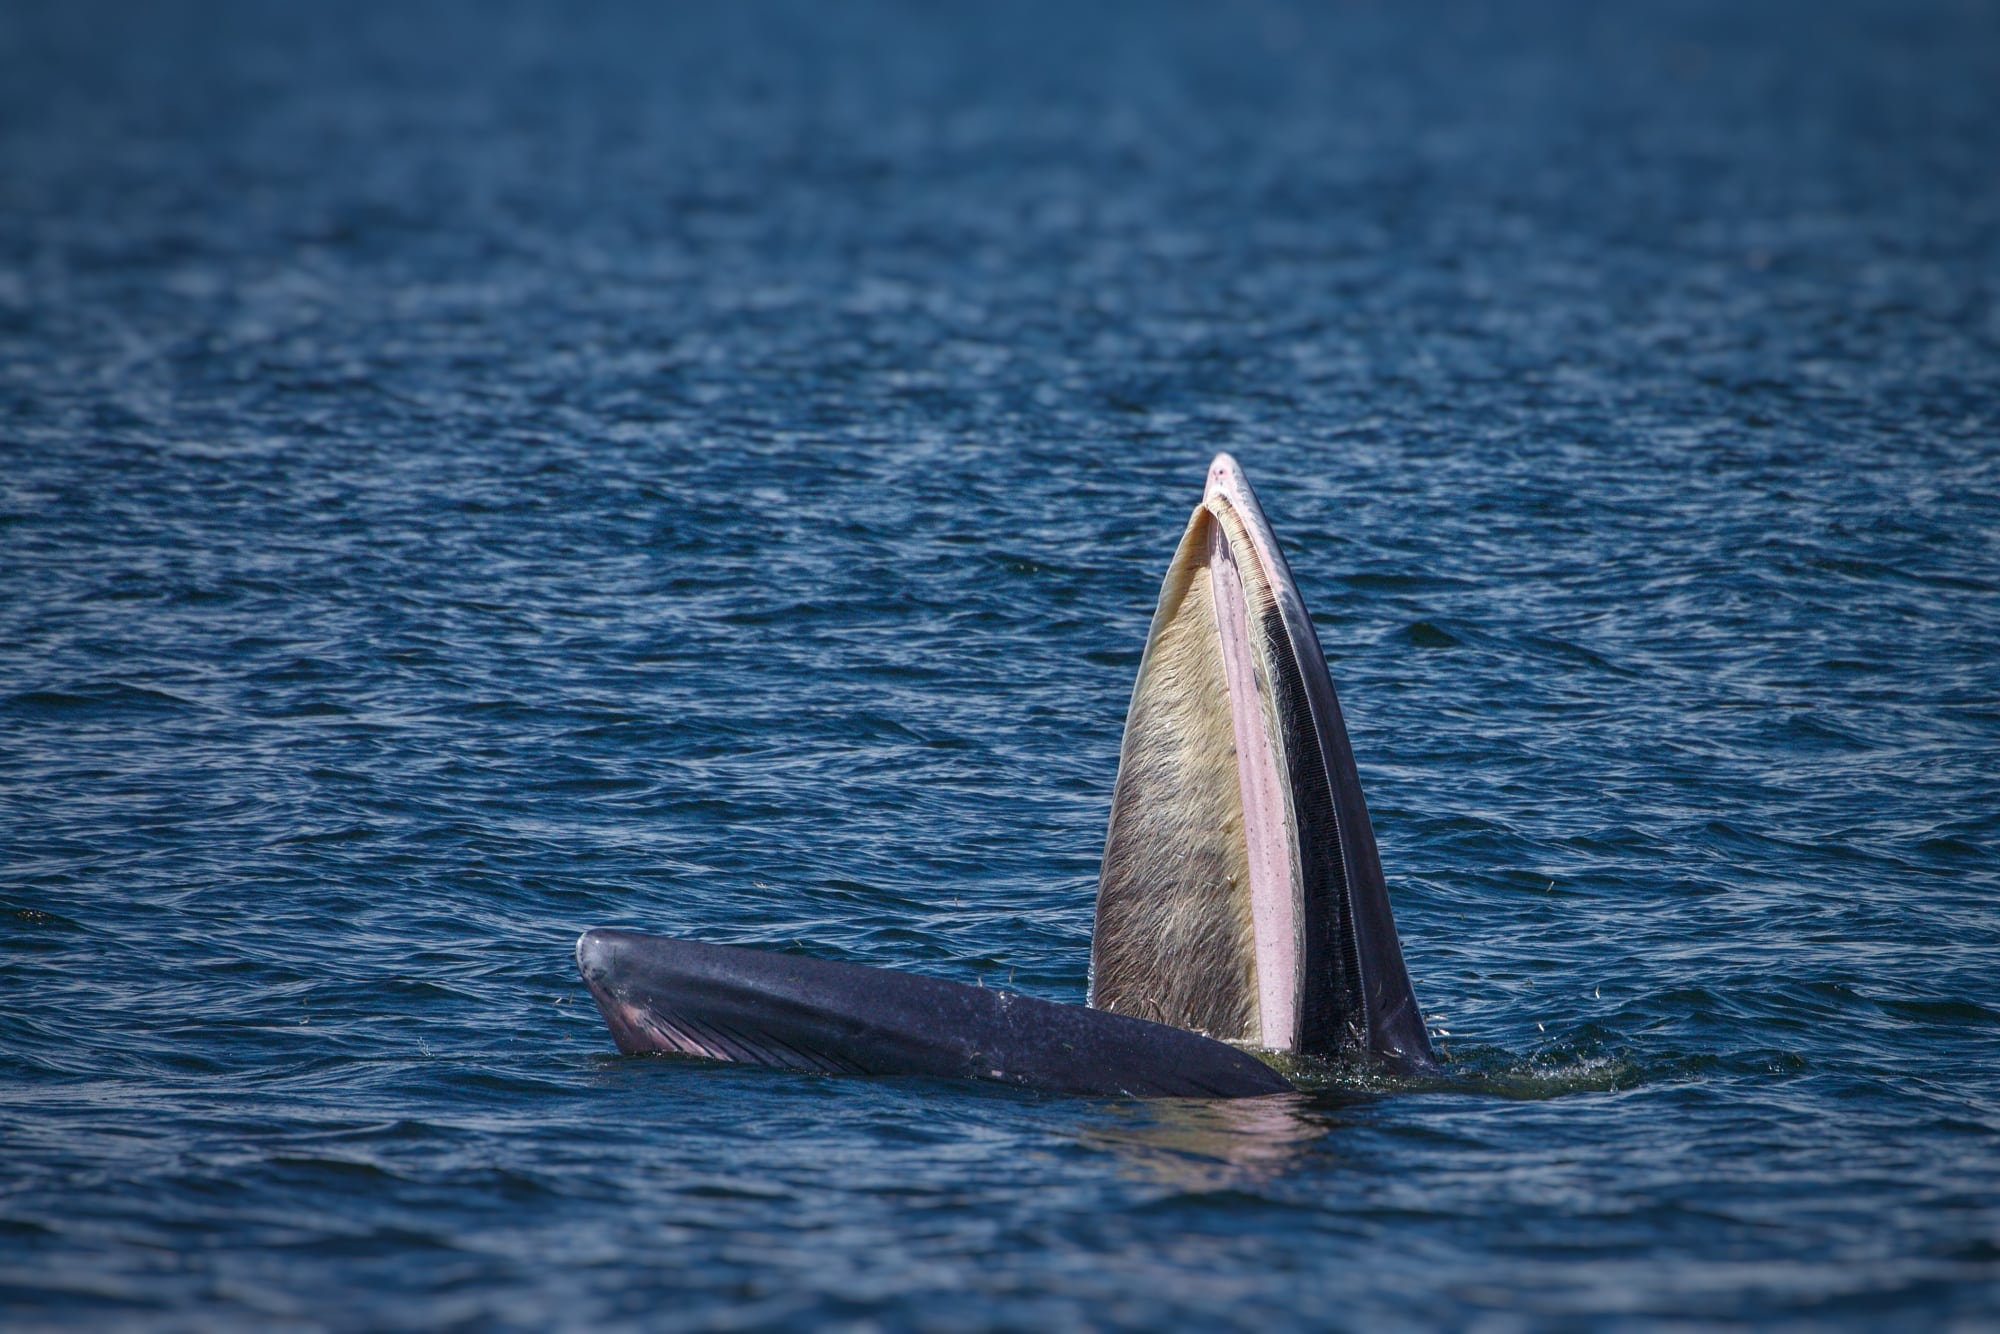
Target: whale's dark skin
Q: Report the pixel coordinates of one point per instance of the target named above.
(659, 994)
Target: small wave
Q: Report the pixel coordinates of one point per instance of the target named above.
(41, 918)
(332, 1166)
(101, 695)
(1552, 1075)
(1426, 634)
(1486, 1071)
(1226, 1200)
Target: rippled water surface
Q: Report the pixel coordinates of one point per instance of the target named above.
(472, 473)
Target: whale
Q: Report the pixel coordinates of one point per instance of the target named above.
(1241, 921)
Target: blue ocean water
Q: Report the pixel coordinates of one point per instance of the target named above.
(470, 473)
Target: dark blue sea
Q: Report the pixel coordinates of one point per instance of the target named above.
(473, 472)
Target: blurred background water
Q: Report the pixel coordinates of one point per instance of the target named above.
(468, 473)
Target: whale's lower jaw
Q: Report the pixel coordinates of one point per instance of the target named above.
(639, 1030)
(1241, 893)
(796, 1013)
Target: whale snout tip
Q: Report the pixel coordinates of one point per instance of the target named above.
(593, 954)
(1224, 475)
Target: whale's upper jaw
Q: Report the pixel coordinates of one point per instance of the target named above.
(633, 1028)
(1241, 893)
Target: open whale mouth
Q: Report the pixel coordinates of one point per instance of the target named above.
(1241, 897)
(1241, 893)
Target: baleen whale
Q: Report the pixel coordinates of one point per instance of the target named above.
(1241, 906)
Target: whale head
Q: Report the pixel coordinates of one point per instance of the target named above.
(1241, 893)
